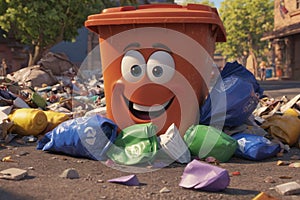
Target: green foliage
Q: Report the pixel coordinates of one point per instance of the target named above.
(245, 23)
(43, 24)
(205, 2)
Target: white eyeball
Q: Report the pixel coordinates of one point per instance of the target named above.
(160, 67)
(133, 66)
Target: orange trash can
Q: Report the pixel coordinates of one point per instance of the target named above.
(156, 62)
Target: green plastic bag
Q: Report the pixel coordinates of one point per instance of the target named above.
(134, 145)
(204, 141)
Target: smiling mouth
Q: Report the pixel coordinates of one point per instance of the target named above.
(148, 112)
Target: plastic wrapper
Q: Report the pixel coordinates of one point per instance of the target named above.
(255, 147)
(28, 121)
(88, 137)
(205, 141)
(38, 100)
(134, 145)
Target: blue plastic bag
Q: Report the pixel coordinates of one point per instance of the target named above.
(88, 137)
(255, 147)
(242, 72)
(232, 99)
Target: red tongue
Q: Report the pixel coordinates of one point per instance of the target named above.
(141, 115)
(146, 115)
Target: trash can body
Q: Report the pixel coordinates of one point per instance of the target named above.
(156, 61)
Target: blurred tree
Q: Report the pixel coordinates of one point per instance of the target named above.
(205, 2)
(139, 2)
(42, 24)
(245, 23)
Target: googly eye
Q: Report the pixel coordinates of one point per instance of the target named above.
(160, 67)
(133, 66)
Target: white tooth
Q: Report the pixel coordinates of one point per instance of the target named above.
(149, 108)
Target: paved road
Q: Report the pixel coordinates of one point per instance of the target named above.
(278, 88)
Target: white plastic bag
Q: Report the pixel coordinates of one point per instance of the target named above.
(173, 144)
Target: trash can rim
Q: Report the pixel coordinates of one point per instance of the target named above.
(158, 14)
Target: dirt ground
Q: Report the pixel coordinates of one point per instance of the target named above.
(43, 180)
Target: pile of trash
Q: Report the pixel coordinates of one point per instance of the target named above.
(66, 115)
(35, 99)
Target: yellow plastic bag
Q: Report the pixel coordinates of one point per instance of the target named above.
(28, 121)
(54, 119)
(291, 111)
(285, 127)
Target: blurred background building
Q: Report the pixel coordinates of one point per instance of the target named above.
(284, 40)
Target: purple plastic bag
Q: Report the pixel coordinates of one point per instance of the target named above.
(200, 175)
(130, 180)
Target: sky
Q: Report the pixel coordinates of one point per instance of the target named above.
(217, 3)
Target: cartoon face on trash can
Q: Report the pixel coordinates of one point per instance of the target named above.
(156, 62)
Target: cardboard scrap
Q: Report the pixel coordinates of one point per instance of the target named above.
(290, 188)
(13, 174)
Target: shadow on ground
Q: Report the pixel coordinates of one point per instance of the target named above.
(8, 195)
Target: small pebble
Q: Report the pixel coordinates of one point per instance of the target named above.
(269, 179)
(70, 174)
(102, 197)
(164, 190)
(30, 168)
(20, 141)
(100, 181)
(109, 163)
(285, 177)
(10, 148)
(29, 138)
(212, 160)
(23, 153)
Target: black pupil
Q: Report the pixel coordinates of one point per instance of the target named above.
(157, 71)
(136, 70)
